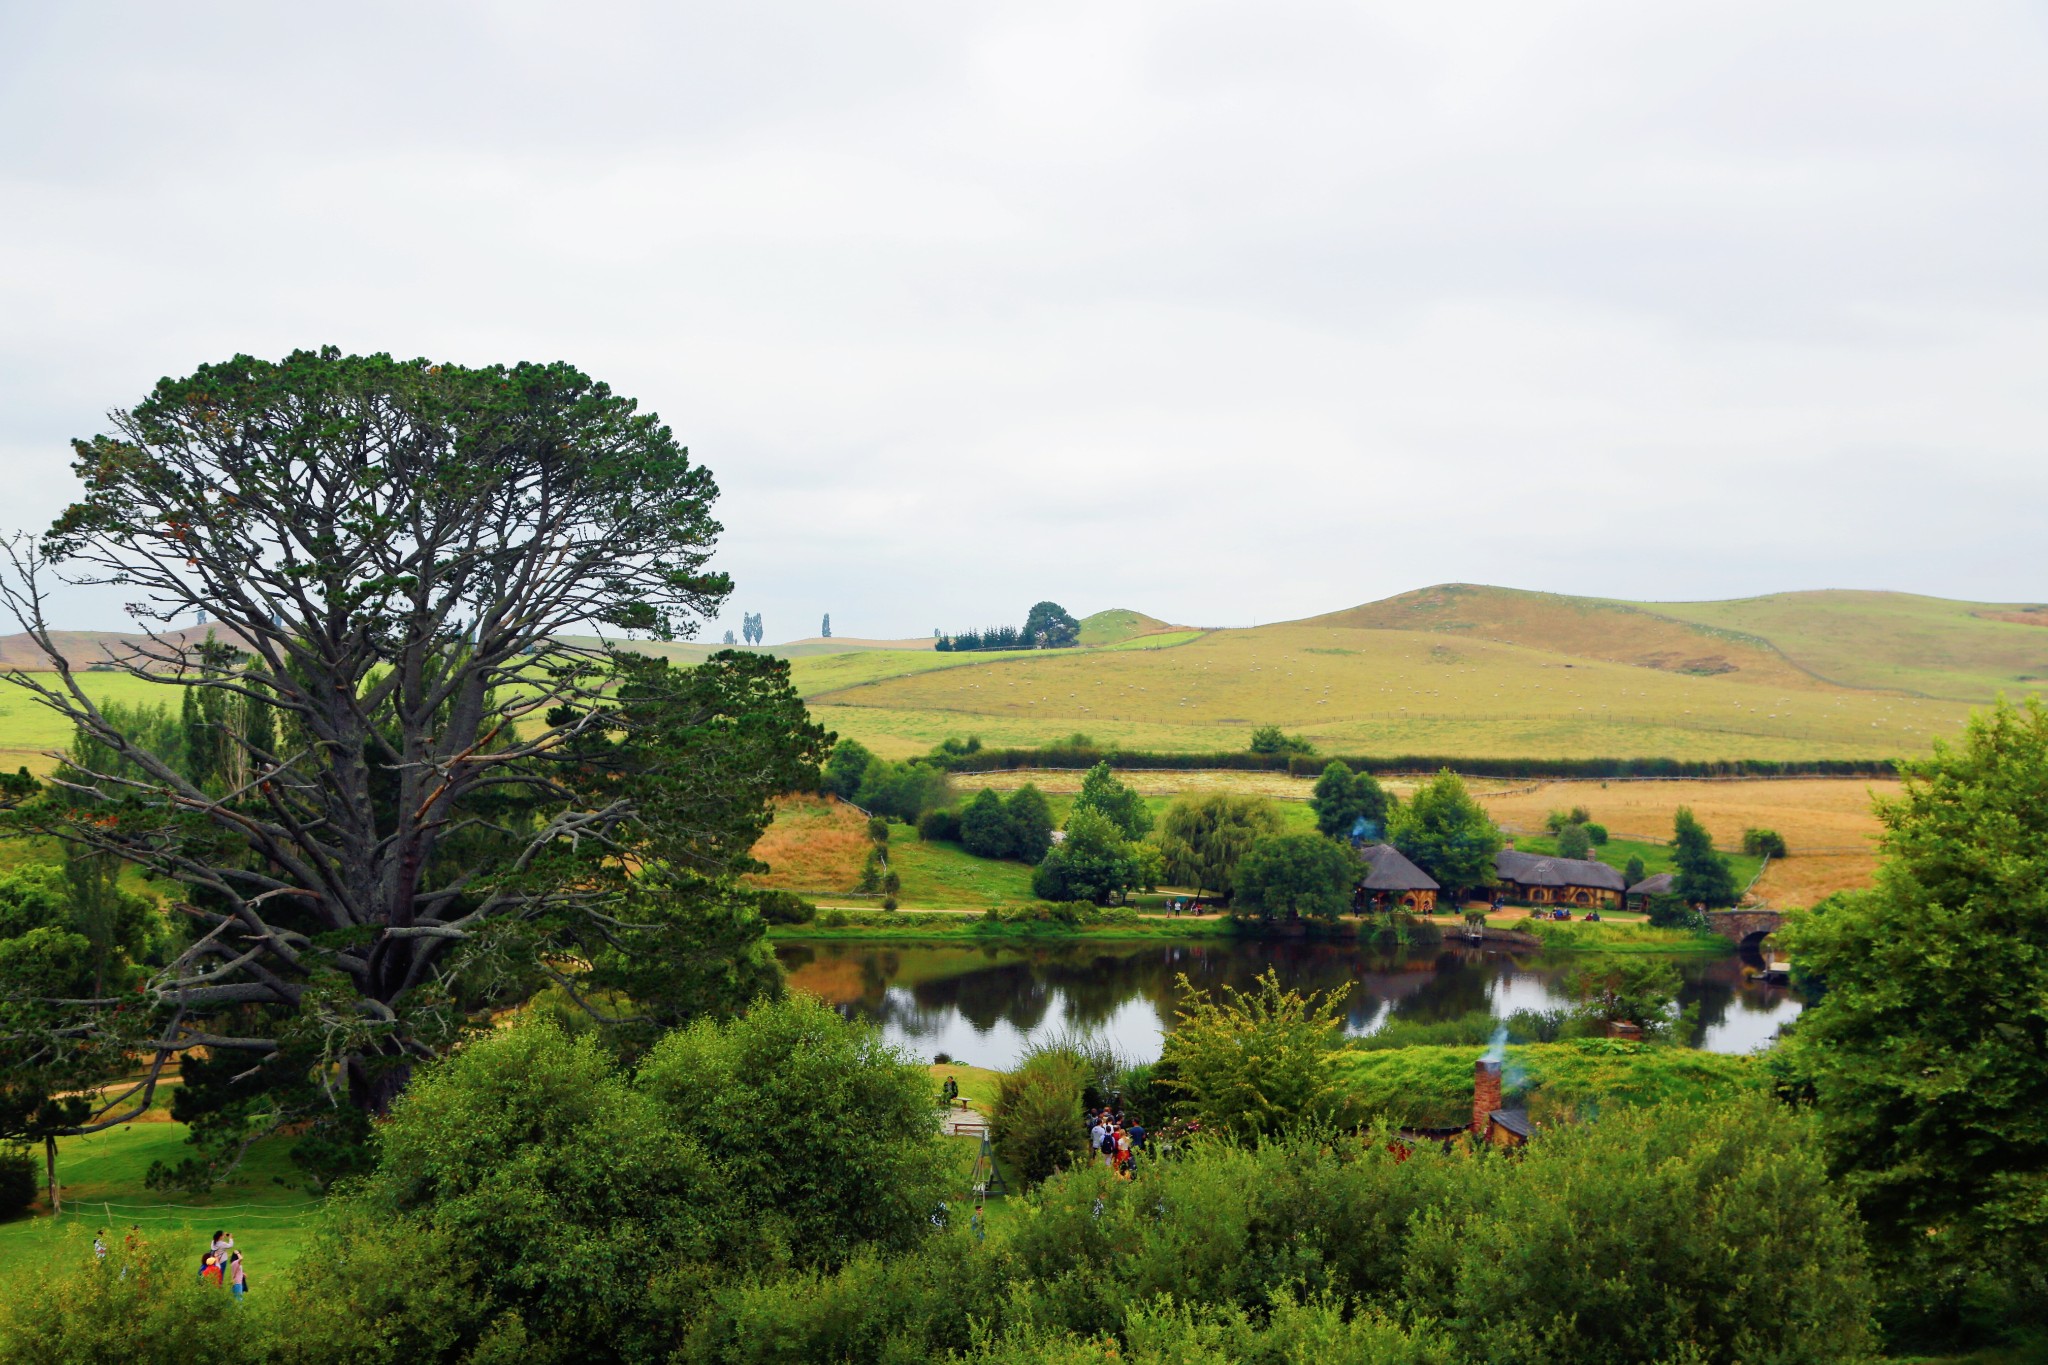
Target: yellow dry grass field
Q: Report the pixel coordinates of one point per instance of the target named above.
(1827, 824)
(1191, 781)
(1382, 692)
(812, 844)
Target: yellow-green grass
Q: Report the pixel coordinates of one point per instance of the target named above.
(944, 874)
(264, 1203)
(977, 1083)
(1369, 691)
(1432, 1086)
(1619, 934)
(1118, 624)
(29, 730)
(1964, 650)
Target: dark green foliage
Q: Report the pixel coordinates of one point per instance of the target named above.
(1703, 875)
(1343, 797)
(17, 1180)
(936, 825)
(1030, 822)
(1202, 838)
(1050, 626)
(1037, 1125)
(878, 830)
(825, 627)
(845, 768)
(826, 1135)
(1064, 755)
(1443, 831)
(1268, 739)
(1116, 802)
(1673, 911)
(1697, 1233)
(1635, 871)
(1763, 843)
(1093, 862)
(1291, 876)
(1923, 1055)
(1574, 841)
(901, 791)
(1630, 988)
(783, 907)
(986, 829)
(1558, 821)
(143, 1305)
(1596, 832)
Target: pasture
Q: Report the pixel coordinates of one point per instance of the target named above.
(1371, 691)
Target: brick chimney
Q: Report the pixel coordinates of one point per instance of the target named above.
(1485, 1093)
(1509, 846)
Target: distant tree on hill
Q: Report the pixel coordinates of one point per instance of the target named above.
(1574, 842)
(1636, 871)
(1093, 862)
(1268, 739)
(1050, 626)
(1342, 797)
(844, 769)
(1446, 833)
(825, 630)
(1296, 875)
(1703, 875)
(728, 638)
(1763, 843)
(1124, 808)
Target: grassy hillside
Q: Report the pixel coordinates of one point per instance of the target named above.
(1964, 650)
(1374, 690)
(1118, 623)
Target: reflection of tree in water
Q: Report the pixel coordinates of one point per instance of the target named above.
(1085, 985)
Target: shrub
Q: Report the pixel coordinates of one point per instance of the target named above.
(1596, 832)
(784, 907)
(1635, 871)
(878, 829)
(17, 1181)
(935, 825)
(1673, 911)
(1574, 841)
(1030, 823)
(142, 1305)
(1037, 1125)
(1257, 1062)
(1763, 843)
(1696, 1232)
(1268, 739)
(871, 873)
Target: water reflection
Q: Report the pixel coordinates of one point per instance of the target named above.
(985, 1004)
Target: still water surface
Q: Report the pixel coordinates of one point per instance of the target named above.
(984, 1005)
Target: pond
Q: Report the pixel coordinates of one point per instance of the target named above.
(985, 1004)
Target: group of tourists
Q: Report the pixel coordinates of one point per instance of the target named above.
(223, 1265)
(1115, 1142)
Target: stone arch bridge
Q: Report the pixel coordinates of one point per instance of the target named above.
(1744, 928)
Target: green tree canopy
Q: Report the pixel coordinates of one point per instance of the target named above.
(1123, 807)
(1050, 626)
(1258, 1062)
(1269, 739)
(1031, 819)
(1924, 1052)
(987, 829)
(1092, 862)
(1283, 876)
(1635, 871)
(1443, 831)
(1703, 875)
(1574, 841)
(1201, 838)
(1343, 797)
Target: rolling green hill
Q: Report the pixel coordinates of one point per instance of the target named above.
(1118, 624)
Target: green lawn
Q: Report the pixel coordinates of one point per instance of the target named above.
(1432, 1086)
(943, 874)
(264, 1204)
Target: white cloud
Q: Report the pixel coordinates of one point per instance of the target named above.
(1219, 311)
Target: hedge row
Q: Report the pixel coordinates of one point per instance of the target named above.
(1307, 765)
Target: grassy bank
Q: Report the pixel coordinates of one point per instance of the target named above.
(1432, 1086)
(1577, 936)
(912, 925)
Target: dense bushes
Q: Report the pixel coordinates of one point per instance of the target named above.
(1683, 1233)
(1036, 1126)
(903, 791)
(784, 907)
(17, 1180)
(1068, 755)
(1763, 843)
(1431, 1087)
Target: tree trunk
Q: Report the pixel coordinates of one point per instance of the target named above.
(50, 1164)
(374, 1092)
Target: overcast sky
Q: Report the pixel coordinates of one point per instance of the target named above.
(1222, 312)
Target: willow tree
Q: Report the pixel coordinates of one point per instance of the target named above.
(406, 700)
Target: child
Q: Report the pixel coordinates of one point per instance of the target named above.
(209, 1273)
(237, 1275)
